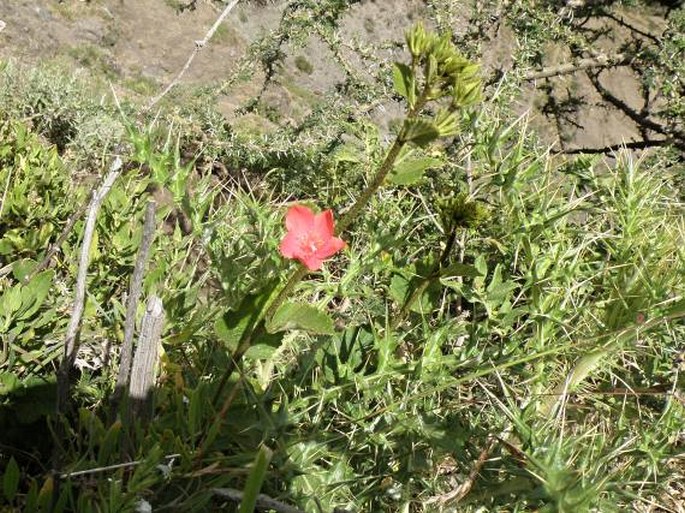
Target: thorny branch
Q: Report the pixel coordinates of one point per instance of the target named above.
(602, 61)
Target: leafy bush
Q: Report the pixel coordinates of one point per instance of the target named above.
(494, 304)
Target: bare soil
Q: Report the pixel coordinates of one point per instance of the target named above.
(141, 45)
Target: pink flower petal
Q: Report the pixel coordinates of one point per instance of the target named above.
(290, 245)
(299, 219)
(310, 238)
(323, 224)
(330, 247)
(311, 261)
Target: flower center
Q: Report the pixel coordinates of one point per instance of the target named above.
(310, 242)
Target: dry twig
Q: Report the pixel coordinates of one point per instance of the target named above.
(145, 361)
(199, 45)
(264, 502)
(71, 340)
(463, 489)
(601, 61)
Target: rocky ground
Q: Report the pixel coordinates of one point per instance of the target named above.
(141, 45)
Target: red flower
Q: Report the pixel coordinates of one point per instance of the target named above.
(310, 238)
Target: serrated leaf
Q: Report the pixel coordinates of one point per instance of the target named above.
(403, 80)
(481, 265)
(109, 443)
(300, 316)
(408, 172)
(22, 268)
(10, 480)
(348, 153)
(8, 383)
(229, 331)
(447, 123)
(399, 286)
(419, 131)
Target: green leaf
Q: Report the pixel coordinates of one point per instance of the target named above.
(408, 172)
(447, 123)
(399, 288)
(255, 480)
(229, 331)
(10, 480)
(22, 268)
(460, 270)
(109, 443)
(10, 301)
(260, 352)
(419, 132)
(403, 80)
(8, 383)
(34, 294)
(231, 327)
(676, 310)
(196, 403)
(45, 494)
(497, 289)
(300, 316)
(348, 153)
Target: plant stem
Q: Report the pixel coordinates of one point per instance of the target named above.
(406, 307)
(383, 171)
(258, 328)
(302, 271)
(421, 288)
(371, 189)
(294, 279)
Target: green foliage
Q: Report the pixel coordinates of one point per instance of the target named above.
(304, 65)
(64, 108)
(255, 480)
(493, 295)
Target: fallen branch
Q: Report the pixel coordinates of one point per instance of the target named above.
(264, 502)
(601, 61)
(199, 45)
(145, 361)
(67, 475)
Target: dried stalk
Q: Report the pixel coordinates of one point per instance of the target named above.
(199, 45)
(135, 290)
(145, 360)
(71, 340)
(601, 61)
(456, 495)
